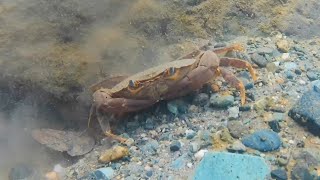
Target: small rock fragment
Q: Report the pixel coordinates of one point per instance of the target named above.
(279, 174)
(199, 155)
(283, 45)
(221, 101)
(259, 60)
(175, 146)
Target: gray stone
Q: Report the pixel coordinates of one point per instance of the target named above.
(307, 111)
(217, 100)
(259, 60)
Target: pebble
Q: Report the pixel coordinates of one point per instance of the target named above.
(307, 111)
(289, 74)
(221, 101)
(263, 140)
(271, 67)
(316, 86)
(233, 112)
(201, 99)
(200, 154)
(223, 165)
(190, 133)
(290, 66)
(102, 173)
(238, 147)
(283, 45)
(279, 174)
(149, 124)
(312, 76)
(177, 106)
(237, 129)
(175, 146)
(259, 60)
(179, 163)
(275, 126)
(285, 56)
(194, 147)
(264, 50)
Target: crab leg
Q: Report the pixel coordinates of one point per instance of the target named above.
(234, 82)
(238, 63)
(122, 105)
(105, 126)
(234, 47)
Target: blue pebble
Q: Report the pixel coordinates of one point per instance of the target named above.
(179, 163)
(223, 165)
(264, 141)
(289, 74)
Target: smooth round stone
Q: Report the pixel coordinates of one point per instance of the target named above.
(279, 174)
(175, 146)
(263, 140)
(312, 76)
(259, 60)
(222, 165)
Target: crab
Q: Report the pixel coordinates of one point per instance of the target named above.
(167, 81)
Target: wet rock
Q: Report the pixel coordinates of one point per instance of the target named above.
(316, 86)
(247, 80)
(74, 143)
(179, 163)
(194, 147)
(226, 166)
(289, 74)
(201, 99)
(175, 146)
(190, 133)
(238, 147)
(259, 60)
(225, 136)
(245, 108)
(298, 71)
(264, 50)
(102, 173)
(312, 76)
(237, 129)
(200, 154)
(149, 125)
(300, 171)
(279, 174)
(150, 148)
(233, 112)
(177, 107)
(307, 111)
(275, 126)
(271, 67)
(263, 140)
(221, 101)
(283, 45)
(290, 66)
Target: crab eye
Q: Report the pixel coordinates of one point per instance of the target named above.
(171, 71)
(133, 84)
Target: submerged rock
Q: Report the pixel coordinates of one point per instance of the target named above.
(307, 111)
(264, 140)
(231, 166)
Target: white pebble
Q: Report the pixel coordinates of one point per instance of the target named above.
(291, 141)
(199, 155)
(189, 165)
(285, 56)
